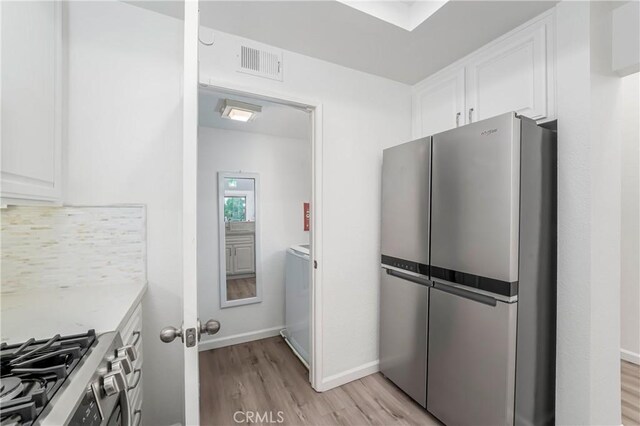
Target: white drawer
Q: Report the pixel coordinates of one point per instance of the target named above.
(242, 226)
(131, 331)
(134, 379)
(238, 239)
(135, 396)
(135, 403)
(136, 376)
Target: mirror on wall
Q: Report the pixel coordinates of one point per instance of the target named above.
(238, 231)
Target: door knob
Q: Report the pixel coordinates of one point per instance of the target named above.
(168, 334)
(210, 327)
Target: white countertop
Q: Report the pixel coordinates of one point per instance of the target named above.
(42, 313)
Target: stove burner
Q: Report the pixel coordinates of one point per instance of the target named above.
(32, 372)
(9, 388)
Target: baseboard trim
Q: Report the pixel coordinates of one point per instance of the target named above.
(235, 339)
(350, 375)
(630, 356)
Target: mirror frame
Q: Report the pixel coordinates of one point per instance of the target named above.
(224, 303)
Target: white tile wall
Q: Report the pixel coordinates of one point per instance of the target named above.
(72, 246)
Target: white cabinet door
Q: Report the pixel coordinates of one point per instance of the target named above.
(31, 100)
(438, 104)
(244, 259)
(511, 76)
(228, 263)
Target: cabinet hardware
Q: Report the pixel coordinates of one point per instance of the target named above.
(138, 334)
(470, 115)
(137, 381)
(458, 119)
(139, 414)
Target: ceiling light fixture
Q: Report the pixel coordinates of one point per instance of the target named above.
(239, 111)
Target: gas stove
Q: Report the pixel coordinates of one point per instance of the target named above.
(79, 379)
(31, 373)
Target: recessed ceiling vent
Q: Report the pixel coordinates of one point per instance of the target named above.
(260, 62)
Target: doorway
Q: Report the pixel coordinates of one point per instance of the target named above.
(258, 210)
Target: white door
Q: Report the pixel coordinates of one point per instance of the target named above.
(511, 76)
(438, 104)
(244, 259)
(190, 330)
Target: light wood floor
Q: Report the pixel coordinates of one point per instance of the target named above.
(630, 393)
(265, 376)
(241, 288)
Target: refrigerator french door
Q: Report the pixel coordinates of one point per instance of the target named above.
(492, 309)
(472, 342)
(404, 292)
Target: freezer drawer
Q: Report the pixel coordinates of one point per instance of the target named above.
(472, 349)
(403, 334)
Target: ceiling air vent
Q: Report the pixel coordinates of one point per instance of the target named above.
(260, 62)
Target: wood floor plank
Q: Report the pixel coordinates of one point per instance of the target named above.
(630, 382)
(241, 288)
(264, 376)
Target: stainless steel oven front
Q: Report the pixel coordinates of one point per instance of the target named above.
(95, 393)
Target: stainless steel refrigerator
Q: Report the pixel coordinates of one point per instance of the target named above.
(491, 356)
(468, 296)
(404, 291)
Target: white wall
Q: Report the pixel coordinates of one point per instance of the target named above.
(588, 375)
(630, 268)
(124, 145)
(362, 114)
(284, 166)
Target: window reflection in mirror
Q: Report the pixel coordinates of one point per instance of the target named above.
(238, 208)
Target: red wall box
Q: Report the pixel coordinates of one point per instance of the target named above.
(306, 216)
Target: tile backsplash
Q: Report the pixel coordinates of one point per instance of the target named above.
(72, 246)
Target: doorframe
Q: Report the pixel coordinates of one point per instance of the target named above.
(314, 107)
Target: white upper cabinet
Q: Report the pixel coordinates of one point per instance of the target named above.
(510, 76)
(438, 104)
(513, 73)
(31, 102)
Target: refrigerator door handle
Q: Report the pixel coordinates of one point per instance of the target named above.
(480, 298)
(413, 279)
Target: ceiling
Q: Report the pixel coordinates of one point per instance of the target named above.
(334, 32)
(275, 119)
(404, 14)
